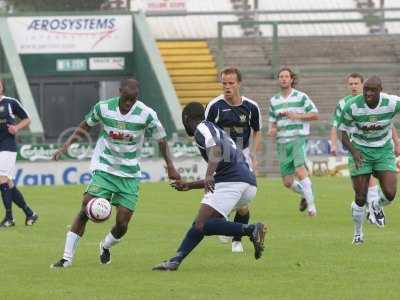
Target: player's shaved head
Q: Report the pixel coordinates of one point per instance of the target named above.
(372, 90)
(129, 91)
(192, 115)
(373, 81)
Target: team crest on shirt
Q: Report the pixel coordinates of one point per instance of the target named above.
(242, 118)
(373, 118)
(121, 125)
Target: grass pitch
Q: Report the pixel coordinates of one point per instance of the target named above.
(304, 259)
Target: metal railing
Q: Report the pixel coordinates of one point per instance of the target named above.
(275, 62)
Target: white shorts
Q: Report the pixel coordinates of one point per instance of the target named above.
(229, 195)
(247, 157)
(7, 163)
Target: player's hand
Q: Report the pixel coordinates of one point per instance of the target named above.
(209, 184)
(292, 115)
(57, 155)
(180, 186)
(12, 129)
(272, 132)
(397, 149)
(172, 173)
(333, 150)
(358, 158)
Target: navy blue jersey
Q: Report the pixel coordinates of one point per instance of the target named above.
(237, 121)
(10, 108)
(233, 167)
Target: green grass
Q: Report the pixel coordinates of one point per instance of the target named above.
(305, 258)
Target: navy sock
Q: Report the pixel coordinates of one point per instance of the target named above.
(243, 220)
(19, 200)
(192, 239)
(222, 227)
(7, 199)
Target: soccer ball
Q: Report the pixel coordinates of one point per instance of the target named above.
(98, 209)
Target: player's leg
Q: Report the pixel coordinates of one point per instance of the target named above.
(125, 201)
(7, 168)
(19, 200)
(299, 162)
(387, 193)
(287, 171)
(242, 216)
(74, 235)
(211, 220)
(360, 186)
(372, 197)
(123, 217)
(6, 196)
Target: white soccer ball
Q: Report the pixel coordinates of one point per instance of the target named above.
(98, 209)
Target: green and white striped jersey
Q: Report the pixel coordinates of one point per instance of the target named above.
(118, 148)
(298, 102)
(370, 127)
(338, 110)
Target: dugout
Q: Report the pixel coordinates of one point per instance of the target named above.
(69, 61)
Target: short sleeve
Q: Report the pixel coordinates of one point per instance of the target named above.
(211, 112)
(346, 121)
(94, 116)
(309, 106)
(19, 110)
(154, 126)
(336, 116)
(255, 120)
(204, 136)
(271, 114)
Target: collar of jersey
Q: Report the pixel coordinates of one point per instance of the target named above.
(130, 111)
(223, 98)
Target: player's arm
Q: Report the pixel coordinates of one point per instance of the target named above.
(311, 112)
(158, 133)
(396, 142)
(166, 154)
(81, 131)
(346, 122)
(256, 125)
(272, 122)
(22, 114)
(334, 136)
(183, 186)
(214, 154)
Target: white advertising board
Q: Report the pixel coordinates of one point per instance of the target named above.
(77, 172)
(72, 34)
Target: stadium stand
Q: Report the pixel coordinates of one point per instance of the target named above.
(192, 70)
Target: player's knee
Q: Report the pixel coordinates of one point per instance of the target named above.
(287, 183)
(199, 226)
(244, 210)
(390, 195)
(82, 216)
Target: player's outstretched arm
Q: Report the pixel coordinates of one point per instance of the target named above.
(166, 154)
(79, 132)
(310, 116)
(183, 186)
(396, 142)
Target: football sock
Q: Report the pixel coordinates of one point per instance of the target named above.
(308, 192)
(7, 196)
(243, 220)
(109, 241)
(383, 201)
(71, 243)
(220, 226)
(358, 214)
(373, 195)
(297, 187)
(19, 200)
(192, 239)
